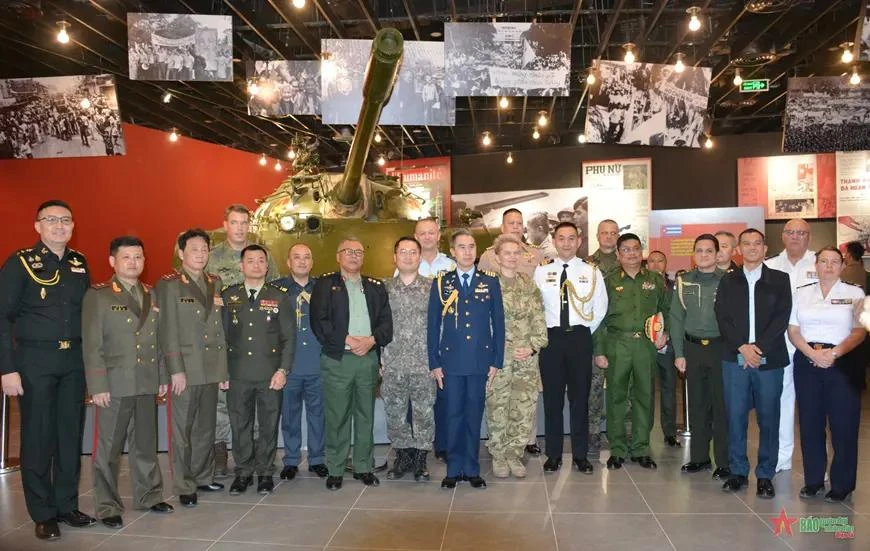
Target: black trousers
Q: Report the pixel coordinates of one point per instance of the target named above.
(52, 421)
(566, 362)
(667, 375)
(826, 396)
(247, 401)
(708, 418)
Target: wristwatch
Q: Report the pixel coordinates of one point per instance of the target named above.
(284, 371)
(834, 353)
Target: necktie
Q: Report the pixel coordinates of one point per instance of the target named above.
(564, 316)
(253, 297)
(137, 295)
(465, 282)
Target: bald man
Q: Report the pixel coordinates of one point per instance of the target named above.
(800, 264)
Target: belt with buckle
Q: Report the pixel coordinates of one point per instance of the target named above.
(703, 341)
(569, 329)
(821, 345)
(68, 344)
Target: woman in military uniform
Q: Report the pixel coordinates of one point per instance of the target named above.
(828, 376)
(513, 396)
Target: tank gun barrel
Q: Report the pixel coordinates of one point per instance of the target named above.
(383, 66)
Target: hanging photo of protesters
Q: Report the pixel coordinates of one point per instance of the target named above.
(162, 46)
(508, 59)
(283, 88)
(647, 104)
(51, 117)
(418, 97)
(826, 114)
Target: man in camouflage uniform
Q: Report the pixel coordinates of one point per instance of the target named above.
(405, 371)
(605, 260)
(530, 257)
(225, 260)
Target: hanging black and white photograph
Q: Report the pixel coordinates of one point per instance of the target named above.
(282, 88)
(864, 53)
(417, 99)
(508, 59)
(826, 114)
(647, 104)
(51, 117)
(165, 46)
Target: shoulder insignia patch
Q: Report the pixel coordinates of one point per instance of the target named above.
(374, 280)
(171, 276)
(489, 273)
(276, 286)
(101, 285)
(846, 282)
(545, 262)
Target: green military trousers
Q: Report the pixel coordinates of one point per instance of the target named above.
(630, 371)
(191, 433)
(138, 414)
(349, 393)
(249, 402)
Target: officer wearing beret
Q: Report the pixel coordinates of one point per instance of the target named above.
(41, 293)
(124, 374)
(260, 326)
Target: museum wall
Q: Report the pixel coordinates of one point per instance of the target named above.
(155, 191)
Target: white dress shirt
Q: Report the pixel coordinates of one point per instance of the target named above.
(800, 273)
(827, 319)
(582, 276)
(752, 278)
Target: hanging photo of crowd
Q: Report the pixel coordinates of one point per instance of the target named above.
(71, 116)
(864, 53)
(826, 114)
(163, 46)
(417, 99)
(508, 59)
(647, 104)
(283, 88)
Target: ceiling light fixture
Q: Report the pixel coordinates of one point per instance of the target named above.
(847, 55)
(253, 88)
(630, 57)
(510, 159)
(581, 138)
(173, 136)
(62, 35)
(855, 79)
(679, 66)
(590, 78)
(381, 161)
(542, 119)
(694, 21)
(487, 138)
(504, 103)
(536, 134)
(378, 137)
(738, 80)
(709, 143)
(167, 97)
(278, 166)
(262, 160)
(298, 4)
(291, 153)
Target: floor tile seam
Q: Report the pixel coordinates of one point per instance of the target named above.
(550, 511)
(340, 524)
(656, 518)
(447, 520)
(121, 530)
(762, 521)
(240, 519)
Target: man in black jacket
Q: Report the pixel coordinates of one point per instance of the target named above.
(752, 308)
(351, 317)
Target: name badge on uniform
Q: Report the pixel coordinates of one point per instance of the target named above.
(841, 301)
(582, 279)
(119, 308)
(619, 289)
(77, 270)
(186, 300)
(812, 275)
(218, 301)
(647, 286)
(482, 290)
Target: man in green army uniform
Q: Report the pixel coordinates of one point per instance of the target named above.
(605, 260)
(260, 325)
(191, 335)
(224, 261)
(624, 346)
(531, 256)
(698, 350)
(124, 373)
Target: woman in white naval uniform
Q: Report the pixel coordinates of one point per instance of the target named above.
(828, 378)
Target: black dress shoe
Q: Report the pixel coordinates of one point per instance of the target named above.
(721, 473)
(188, 500)
(764, 489)
(837, 497)
(552, 464)
(811, 491)
(477, 482)
(213, 487)
(77, 519)
(113, 521)
(289, 472)
(240, 485)
(369, 479)
(672, 442)
(265, 485)
(533, 449)
(333, 483)
(441, 454)
(583, 465)
(448, 483)
(319, 469)
(645, 461)
(162, 508)
(615, 462)
(694, 466)
(735, 483)
(47, 530)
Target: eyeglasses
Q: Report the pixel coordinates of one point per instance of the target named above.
(352, 252)
(798, 233)
(53, 220)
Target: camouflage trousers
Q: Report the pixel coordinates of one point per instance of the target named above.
(397, 390)
(596, 401)
(511, 401)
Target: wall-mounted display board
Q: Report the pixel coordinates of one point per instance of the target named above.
(788, 186)
(853, 198)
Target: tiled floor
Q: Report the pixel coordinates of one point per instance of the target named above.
(628, 509)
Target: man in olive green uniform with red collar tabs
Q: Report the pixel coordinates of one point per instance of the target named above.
(625, 345)
(191, 335)
(124, 373)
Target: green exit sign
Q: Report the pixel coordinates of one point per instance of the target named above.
(755, 85)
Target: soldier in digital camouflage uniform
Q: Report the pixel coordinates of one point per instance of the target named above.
(225, 260)
(513, 396)
(406, 376)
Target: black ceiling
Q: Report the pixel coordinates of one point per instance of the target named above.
(805, 32)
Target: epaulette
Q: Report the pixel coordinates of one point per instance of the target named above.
(101, 285)
(170, 276)
(489, 273)
(441, 273)
(591, 261)
(328, 274)
(212, 277)
(545, 262)
(771, 256)
(22, 252)
(849, 283)
(147, 287)
(488, 248)
(272, 284)
(811, 283)
(374, 280)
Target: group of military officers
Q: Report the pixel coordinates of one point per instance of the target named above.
(499, 331)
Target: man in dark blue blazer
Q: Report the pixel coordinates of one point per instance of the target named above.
(466, 350)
